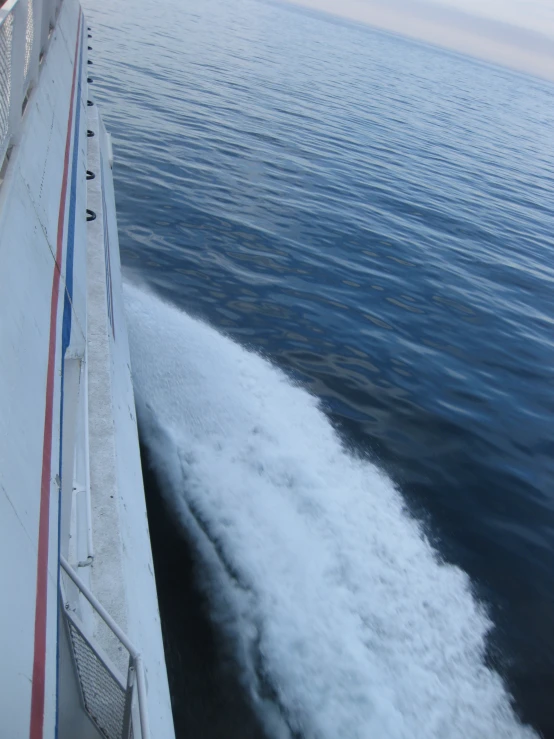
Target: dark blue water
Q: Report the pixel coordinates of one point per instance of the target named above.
(374, 216)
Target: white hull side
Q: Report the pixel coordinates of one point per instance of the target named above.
(29, 209)
(63, 340)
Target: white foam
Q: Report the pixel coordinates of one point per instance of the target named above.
(341, 613)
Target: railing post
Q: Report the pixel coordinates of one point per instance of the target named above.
(35, 7)
(127, 715)
(47, 19)
(17, 66)
(6, 41)
(141, 690)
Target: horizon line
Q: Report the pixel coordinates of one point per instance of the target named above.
(517, 49)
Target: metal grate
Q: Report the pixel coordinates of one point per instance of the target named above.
(6, 37)
(103, 696)
(24, 35)
(115, 704)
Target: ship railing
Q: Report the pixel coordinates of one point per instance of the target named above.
(25, 30)
(115, 704)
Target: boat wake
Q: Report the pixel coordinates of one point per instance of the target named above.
(341, 617)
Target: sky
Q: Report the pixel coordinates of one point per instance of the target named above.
(514, 33)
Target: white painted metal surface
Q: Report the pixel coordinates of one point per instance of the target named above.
(70, 475)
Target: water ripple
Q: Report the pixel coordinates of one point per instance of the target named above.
(376, 215)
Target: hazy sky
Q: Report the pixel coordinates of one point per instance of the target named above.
(516, 33)
(537, 15)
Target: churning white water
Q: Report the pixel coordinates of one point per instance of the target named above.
(342, 618)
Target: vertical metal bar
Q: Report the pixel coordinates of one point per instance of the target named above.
(129, 698)
(17, 66)
(6, 35)
(45, 20)
(29, 38)
(141, 687)
(35, 8)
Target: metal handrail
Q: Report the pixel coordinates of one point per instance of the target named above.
(25, 30)
(135, 655)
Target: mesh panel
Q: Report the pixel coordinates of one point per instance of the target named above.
(6, 35)
(29, 37)
(103, 696)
